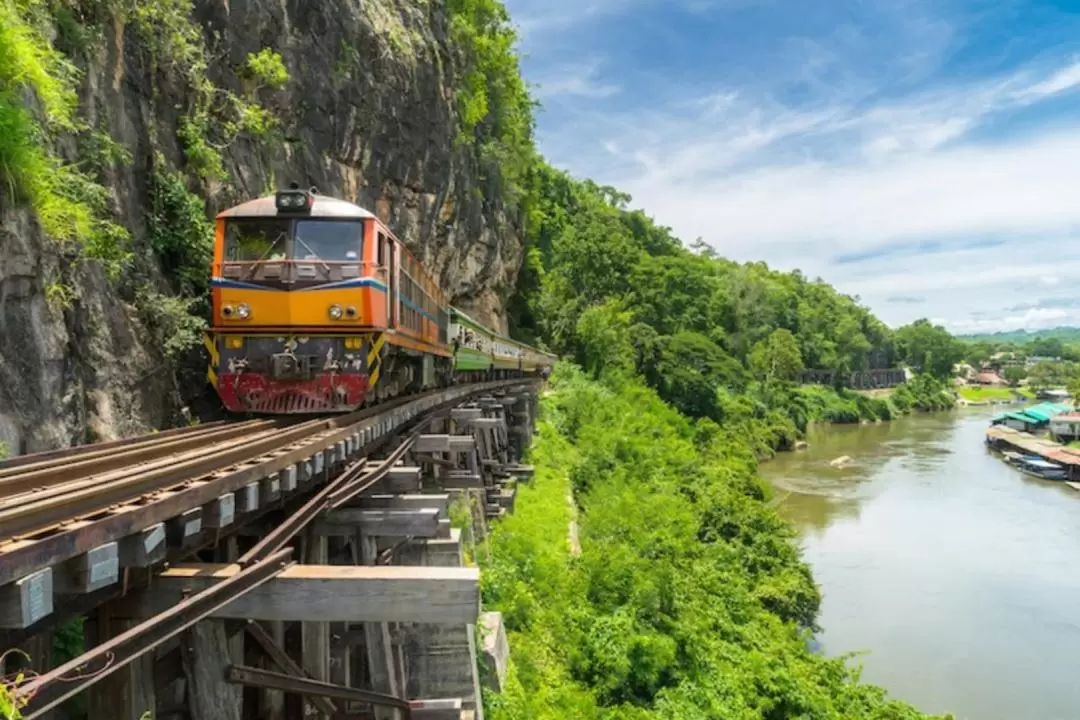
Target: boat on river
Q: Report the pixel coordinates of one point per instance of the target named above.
(1036, 467)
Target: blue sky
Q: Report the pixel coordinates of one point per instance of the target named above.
(924, 156)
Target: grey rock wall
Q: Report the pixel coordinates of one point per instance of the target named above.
(368, 115)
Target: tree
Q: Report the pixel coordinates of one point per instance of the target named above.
(777, 358)
(1014, 374)
(929, 348)
(1047, 374)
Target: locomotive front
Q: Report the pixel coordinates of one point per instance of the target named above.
(299, 305)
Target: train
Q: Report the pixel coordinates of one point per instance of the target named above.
(319, 308)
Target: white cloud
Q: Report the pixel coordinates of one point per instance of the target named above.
(580, 79)
(797, 187)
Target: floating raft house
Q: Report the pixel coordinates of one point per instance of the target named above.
(1007, 438)
(1032, 418)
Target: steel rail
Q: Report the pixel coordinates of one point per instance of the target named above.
(40, 512)
(63, 453)
(99, 521)
(355, 479)
(34, 478)
(144, 637)
(39, 496)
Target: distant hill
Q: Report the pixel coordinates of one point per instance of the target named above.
(1065, 333)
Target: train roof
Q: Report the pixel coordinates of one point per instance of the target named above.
(322, 207)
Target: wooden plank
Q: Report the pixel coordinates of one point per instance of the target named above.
(220, 512)
(441, 709)
(457, 479)
(247, 498)
(144, 548)
(182, 528)
(401, 479)
(388, 522)
(25, 601)
(329, 593)
(439, 501)
(462, 443)
(432, 443)
(289, 479)
(270, 488)
(88, 572)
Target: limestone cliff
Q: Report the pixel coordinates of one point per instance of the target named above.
(369, 111)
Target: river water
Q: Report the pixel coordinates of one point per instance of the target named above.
(959, 575)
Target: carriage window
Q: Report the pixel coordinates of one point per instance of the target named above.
(255, 239)
(329, 240)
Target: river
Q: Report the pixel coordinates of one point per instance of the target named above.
(958, 575)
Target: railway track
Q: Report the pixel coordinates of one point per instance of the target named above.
(56, 505)
(45, 492)
(62, 505)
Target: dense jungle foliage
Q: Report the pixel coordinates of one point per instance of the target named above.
(608, 287)
(687, 598)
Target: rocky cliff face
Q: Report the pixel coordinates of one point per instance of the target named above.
(368, 113)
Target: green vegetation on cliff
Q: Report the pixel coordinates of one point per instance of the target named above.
(688, 598)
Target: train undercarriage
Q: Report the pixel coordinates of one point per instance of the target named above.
(277, 375)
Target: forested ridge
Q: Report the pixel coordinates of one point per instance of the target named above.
(718, 340)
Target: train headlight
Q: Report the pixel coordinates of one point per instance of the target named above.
(227, 311)
(335, 312)
(293, 201)
(350, 312)
(243, 311)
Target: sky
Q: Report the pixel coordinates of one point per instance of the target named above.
(923, 155)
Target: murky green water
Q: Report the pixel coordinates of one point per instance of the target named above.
(959, 575)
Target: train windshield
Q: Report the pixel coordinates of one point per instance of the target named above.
(329, 240)
(259, 239)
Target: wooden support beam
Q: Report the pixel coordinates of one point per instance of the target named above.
(431, 444)
(400, 479)
(205, 657)
(506, 498)
(462, 443)
(458, 479)
(25, 601)
(183, 528)
(382, 523)
(315, 636)
(328, 593)
(247, 498)
(270, 488)
(88, 572)
(255, 677)
(143, 548)
(220, 512)
(281, 658)
(439, 501)
(130, 692)
(442, 709)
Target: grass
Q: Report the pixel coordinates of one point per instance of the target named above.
(983, 394)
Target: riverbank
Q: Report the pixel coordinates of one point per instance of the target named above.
(689, 592)
(993, 395)
(951, 574)
(1000, 437)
